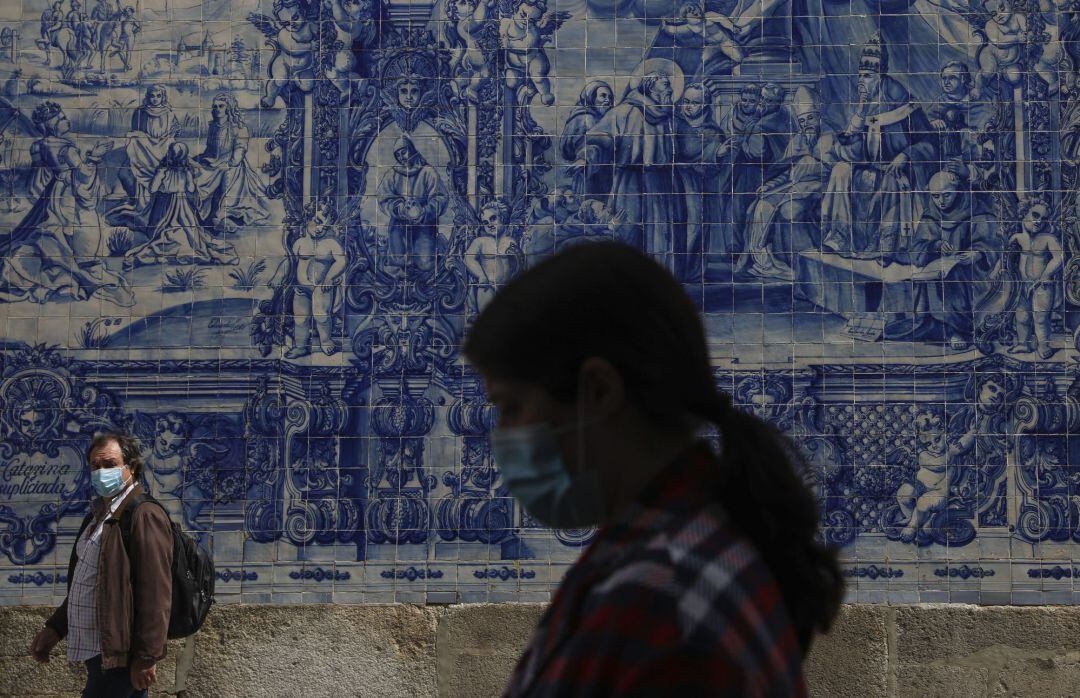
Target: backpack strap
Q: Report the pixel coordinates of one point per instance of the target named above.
(125, 518)
(129, 512)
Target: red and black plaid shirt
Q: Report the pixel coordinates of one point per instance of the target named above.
(669, 600)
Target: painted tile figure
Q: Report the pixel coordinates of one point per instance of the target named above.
(737, 121)
(785, 217)
(56, 251)
(320, 267)
(1005, 31)
(959, 113)
(412, 197)
(959, 234)
(178, 235)
(636, 137)
(702, 147)
(928, 493)
(493, 255)
(883, 153)
(469, 19)
(1040, 261)
(715, 31)
(230, 192)
(595, 100)
(524, 35)
(153, 127)
(293, 38)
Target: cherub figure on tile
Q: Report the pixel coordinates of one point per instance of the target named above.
(293, 37)
(524, 35)
(928, 493)
(1040, 260)
(467, 63)
(1002, 56)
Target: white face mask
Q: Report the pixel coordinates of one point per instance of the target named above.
(535, 472)
(107, 481)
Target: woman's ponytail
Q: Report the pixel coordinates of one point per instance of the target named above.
(768, 502)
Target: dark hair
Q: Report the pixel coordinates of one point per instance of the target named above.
(129, 449)
(608, 300)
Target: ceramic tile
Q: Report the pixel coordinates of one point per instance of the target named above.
(255, 235)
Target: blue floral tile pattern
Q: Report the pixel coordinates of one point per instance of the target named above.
(255, 234)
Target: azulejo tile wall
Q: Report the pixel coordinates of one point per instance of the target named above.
(255, 235)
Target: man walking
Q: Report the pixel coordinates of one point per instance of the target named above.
(116, 614)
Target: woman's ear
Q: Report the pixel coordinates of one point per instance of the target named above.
(604, 390)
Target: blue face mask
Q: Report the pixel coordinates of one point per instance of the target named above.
(534, 471)
(107, 482)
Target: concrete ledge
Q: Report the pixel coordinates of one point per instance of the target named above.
(987, 650)
(853, 659)
(469, 650)
(479, 645)
(316, 651)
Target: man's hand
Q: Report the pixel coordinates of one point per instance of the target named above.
(896, 167)
(43, 644)
(100, 149)
(143, 676)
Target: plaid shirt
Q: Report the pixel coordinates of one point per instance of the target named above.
(84, 634)
(669, 600)
(84, 640)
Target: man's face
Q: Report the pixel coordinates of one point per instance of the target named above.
(748, 102)
(217, 109)
(604, 98)
(693, 104)
(769, 104)
(108, 455)
(952, 81)
(810, 124)
(868, 82)
(402, 156)
(409, 94)
(596, 212)
(662, 92)
(943, 196)
(155, 97)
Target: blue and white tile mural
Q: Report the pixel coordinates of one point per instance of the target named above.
(255, 235)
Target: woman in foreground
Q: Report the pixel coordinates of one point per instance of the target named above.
(706, 577)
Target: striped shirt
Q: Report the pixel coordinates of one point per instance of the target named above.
(84, 636)
(669, 600)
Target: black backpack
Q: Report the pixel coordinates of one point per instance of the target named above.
(192, 574)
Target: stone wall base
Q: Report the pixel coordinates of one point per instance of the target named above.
(469, 650)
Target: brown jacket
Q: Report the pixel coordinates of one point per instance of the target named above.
(133, 618)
